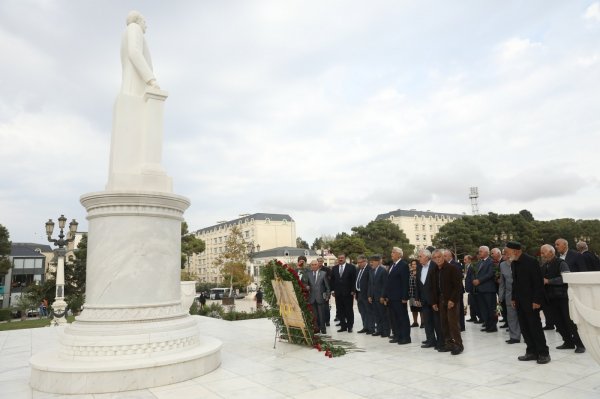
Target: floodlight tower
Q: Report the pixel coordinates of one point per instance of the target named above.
(474, 195)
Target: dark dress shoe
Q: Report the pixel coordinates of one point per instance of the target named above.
(385, 335)
(566, 346)
(323, 332)
(462, 329)
(338, 324)
(414, 325)
(471, 320)
(375, 334)
(543, 359)
(580, 349)
(505, 325)
(444, 349)
(492, 330)
(361, 331)
(336, 319)
(427, 345)
(457, 351)
(424, 342)
(483, 329)
(513, 341)
(349, 330)
(478, 322)
(341, 330)
(327, 324)
(404, 341)
(527, 357)
(422, 325)
(393, 341)
(548, 328)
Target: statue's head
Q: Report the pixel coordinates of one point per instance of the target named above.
(135, 17)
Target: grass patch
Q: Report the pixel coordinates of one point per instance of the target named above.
(29, 323)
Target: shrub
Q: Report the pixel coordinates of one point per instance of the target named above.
(194, 308)
(5, 315)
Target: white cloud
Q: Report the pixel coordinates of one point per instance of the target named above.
(592, 12)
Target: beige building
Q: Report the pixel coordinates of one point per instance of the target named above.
(420, 227)
(261, 231)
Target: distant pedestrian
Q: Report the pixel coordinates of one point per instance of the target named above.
(259, 299)
(202, 300)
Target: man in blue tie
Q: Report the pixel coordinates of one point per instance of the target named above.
(362, 298)
(396, 296)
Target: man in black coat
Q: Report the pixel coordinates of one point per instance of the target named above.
(592, 263)
(396, 296)
(425, 271)
(327, 270)
(527, 298)
(343, 278)
(572, 257)
(362, 295)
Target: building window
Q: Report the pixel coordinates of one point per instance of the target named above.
(416, 227)
(423, 227)
(418, 237)
(267, 220)
(430, 228)
(247, 233)
(18, 263)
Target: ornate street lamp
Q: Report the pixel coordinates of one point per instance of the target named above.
(59, 307)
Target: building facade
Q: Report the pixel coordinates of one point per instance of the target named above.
(420, 227)
(28, 262)
(262, 231)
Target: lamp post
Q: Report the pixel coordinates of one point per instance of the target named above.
(59, 307)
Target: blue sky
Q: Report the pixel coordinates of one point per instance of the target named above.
(330, 111)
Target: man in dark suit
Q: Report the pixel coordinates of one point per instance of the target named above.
(449, 257)
(572, 257)
(527, 298)
(472, 297)
(362, 295)
(343, 277)
(423, 298)
(592, 263)
(445, 293)
(377, 282)
(485, 284)
(396, 296)
(318, 293)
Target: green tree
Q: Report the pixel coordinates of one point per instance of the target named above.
(75, 271)
(190, 244)
(232, 260)
(380, 236)
(5, 247)
(349, 245)
(321, 242)
(300, 243)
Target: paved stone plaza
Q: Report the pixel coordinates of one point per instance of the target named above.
(251, 368)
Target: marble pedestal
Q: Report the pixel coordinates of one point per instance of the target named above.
(584, 307)
(134, 332)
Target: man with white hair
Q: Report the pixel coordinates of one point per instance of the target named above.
(505, 294)
(396, 295)
(592, 263)
(485, 285)
(431, 319)
(558, 299)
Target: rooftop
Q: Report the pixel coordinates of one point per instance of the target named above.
(414, 212)
(276, 217)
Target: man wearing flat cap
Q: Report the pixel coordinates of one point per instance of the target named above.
(527, 299)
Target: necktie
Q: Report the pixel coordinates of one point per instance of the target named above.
(315, 275)
(392, 268)
(358, 279)
(341, 270)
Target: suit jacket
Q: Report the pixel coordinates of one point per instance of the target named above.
(506, 280)
(423, 293)
(528, 283)
(344, 284)
(469, 278)
(592, 263)
(461, 268)
(446, 281)
(486, 276)
(377, 283)
(396, 288)
(318, 286)
(575, 261)
(363, 283)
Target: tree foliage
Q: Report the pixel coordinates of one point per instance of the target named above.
(5, 246)
(75, 272)
(377, 237)
(300, 243)
(466, 234)
(321, 242)
(232, 260)
(190, 244)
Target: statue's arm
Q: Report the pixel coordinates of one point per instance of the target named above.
(135, 51)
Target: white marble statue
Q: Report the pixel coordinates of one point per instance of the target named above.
(135, 57)
(136, 144)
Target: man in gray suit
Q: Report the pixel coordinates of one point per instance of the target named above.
(377, 283)
(319, 292)
(505, 294)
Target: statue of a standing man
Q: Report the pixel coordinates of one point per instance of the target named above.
(135, 57)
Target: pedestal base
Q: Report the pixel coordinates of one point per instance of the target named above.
(50, 373)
